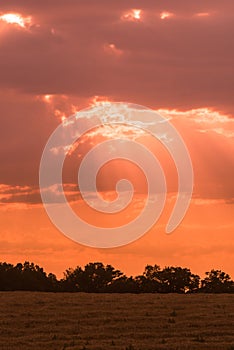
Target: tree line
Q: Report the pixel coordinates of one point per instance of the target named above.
(99, 278)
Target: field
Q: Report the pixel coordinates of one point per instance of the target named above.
(33, 320)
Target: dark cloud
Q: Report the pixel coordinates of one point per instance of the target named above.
(182, 61)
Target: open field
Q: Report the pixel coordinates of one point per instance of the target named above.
(34, 320)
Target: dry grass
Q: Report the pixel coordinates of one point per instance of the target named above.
(104, 321)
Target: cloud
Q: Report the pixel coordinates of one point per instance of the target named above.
(27, 124)
(75, 53)
(30, 195)
(16, 19)
(184, 60)
(204, 120)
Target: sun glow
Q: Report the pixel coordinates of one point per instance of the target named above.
(133, 15)
(14, 18)
(137, 14)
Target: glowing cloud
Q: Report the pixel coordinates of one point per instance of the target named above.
(60, 115)
(98, 100)
(137, 14)
(165, 15)
(17, 19)
(47, 98)
(206, 120)
(133, 15)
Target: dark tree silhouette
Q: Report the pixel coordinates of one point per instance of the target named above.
(73, 280)
(53, 284)
(25, 276)
(124, 284)
(150, 281)
(7, 276)
(99, 278)
(169, 280)
(178, 280)
(94, 278)
(217, 281)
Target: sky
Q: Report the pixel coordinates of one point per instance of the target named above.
(175, 57)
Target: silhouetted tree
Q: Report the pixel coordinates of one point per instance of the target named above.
(150, 281)
(217, 281)
(124, 284)
(6, 276)
(26, 276)
(94, 278)
(169, 280)
(178, 280)
(33, 277)
(73, 280)
(53, 284)
(98, 278)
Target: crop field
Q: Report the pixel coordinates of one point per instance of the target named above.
(79, 321)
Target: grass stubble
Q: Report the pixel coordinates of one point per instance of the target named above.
(79, 321)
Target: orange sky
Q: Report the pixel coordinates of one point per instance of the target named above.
(174, 57)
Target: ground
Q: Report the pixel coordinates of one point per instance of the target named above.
(79, 321)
